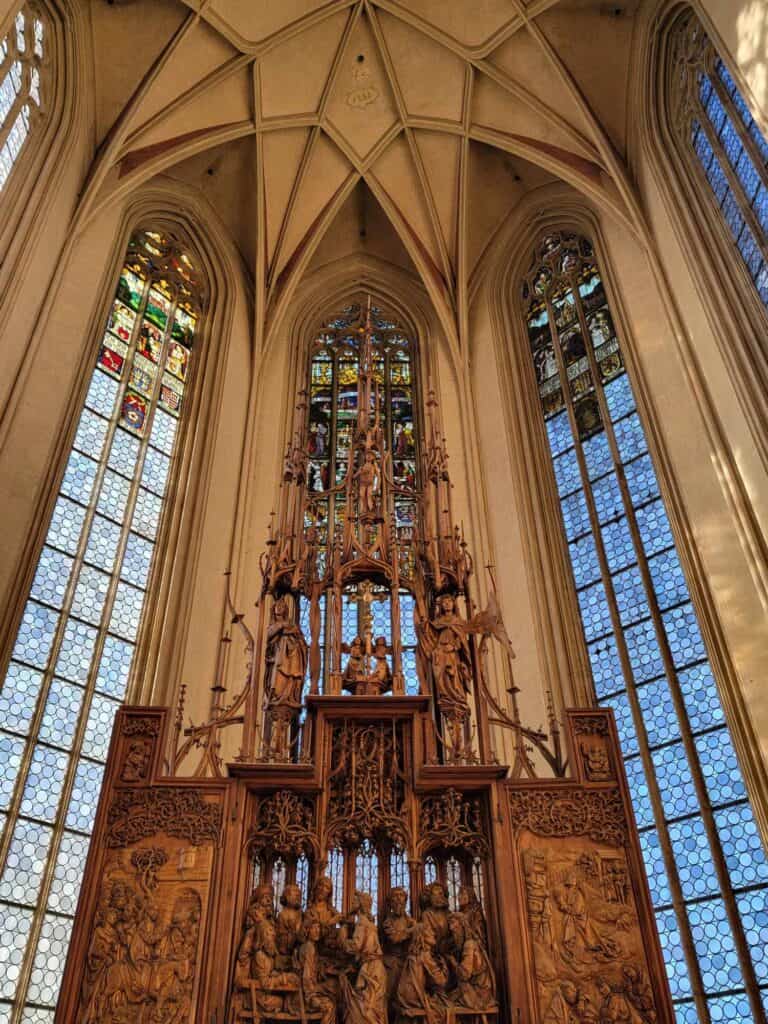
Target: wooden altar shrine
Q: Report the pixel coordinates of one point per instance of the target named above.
(365, 859)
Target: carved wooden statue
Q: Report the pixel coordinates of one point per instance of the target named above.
(287, 652)
(396, 930)
(475, 980)
(365, 998)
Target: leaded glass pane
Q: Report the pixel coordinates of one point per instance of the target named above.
(625, 568)
(74, 649)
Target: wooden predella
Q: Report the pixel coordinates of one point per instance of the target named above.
(365, 859)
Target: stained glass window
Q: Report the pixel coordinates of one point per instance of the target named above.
(23, 85)
(333, 378)
(706, 866)
(729, 149)
(72, 658)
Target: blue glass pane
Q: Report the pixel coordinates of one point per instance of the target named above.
(641, 480)
(137, 560)
(638, 791)
(48, 965)
(630, 437)
(619, 547)
(79, 477)
(66, 525)
(575, 515)
(51, 577)
(102, 393)
(595, 613)
(760, 206)
(91, 434)
(85, 796)
(732, 1009)
(624, 723)
(410, 673)
(683, 635)
(90, 595)
(123, 453)
(716, 951)
(76, 651)
(715, 111)
(653, 526)
(14, 929)
(35, 636)
(18, 697)
(62, 709)
(586, 567)
(668, 580)
(146, 516)
(98, 731)
(720, 767)
(753, 908)
(597, 454)
(407, 624)
(103, 542)
(155, 473)
(607, 497)
(25, 862)
(68, 873)
(44, 783)
(658, 712)
(702, 148)
(606, 666)
(717, 180)
(693, 857)
(673, 773)
(630, 596)
(748, 176)
(114, 667)
(674, 957)
(654, 868)
(742, 846)
(164, 431)
(685, 1013)
(731, 143)
(126, 611)
(11, 751)
(644, 653)
(113, 496)
(618, 395)
(732, 215)
(750, 252)
(559, 433)
(567, 472)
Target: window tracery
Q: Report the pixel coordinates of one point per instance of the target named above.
(24, 83)
(727, 146)
(72, 658)
(706, 866)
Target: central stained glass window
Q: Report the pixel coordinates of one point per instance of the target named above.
(706, 866)
(75, 647)
(333, 378)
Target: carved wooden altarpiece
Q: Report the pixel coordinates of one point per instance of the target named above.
(365, 859)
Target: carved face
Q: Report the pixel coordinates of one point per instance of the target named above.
(466, 896)
(291, 897)
(397, 901)
(281, 608)
(437, 896)
(570, 992)
(313, 931)
(323, 890)
(446, 604)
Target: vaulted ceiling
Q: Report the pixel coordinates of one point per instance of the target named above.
(411, 127)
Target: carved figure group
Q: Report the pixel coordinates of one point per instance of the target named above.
(139, 968)
(333, 967)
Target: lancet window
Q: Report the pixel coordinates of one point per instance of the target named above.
(706, 866)
(24, 82)
(72, 658)
(727, 146)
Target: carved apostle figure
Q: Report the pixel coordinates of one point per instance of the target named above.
(260, 907)
(321, 906)
(288, 926)
(475, 982)
(313, 994)
(423, 981)
(272, 985)
(614, 1008)
(435, 913)
(472, 909)
(365, 1000)
(580, 937)
(396, 930)
(287, 653)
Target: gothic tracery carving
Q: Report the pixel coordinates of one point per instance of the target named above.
(452, 820)
(570, 812)
(139, 813)
(284, 824)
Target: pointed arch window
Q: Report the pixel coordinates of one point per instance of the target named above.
(24, 85)
(72, 658)
(706, 866)
(728, 149)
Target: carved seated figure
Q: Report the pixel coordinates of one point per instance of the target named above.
(288, 926)
(475, 982)
(435, 914)
(396, 930)
(315, 996)
(422, 984)
(472, 909)
(268, 986)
